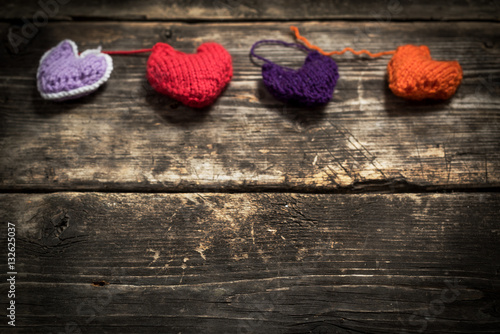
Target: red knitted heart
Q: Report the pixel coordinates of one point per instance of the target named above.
(193, 79)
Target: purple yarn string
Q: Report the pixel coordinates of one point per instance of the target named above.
(274, 41)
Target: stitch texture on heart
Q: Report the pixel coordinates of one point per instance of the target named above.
(312, 84)
(63, 74)
(193, 79)
(414, 75)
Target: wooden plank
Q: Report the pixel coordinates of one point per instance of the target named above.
(127, 137)
(220, 10)
(254, 263)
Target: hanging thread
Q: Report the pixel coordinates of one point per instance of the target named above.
(127, 52)
(304, 40)
(412, 72)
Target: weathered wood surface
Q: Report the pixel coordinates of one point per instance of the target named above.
(255, 263)
(127, 137)
(218, 10)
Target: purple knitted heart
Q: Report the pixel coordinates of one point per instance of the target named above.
(312, 84)
(63, 74)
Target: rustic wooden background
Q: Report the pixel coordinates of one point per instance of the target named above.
(136, 214)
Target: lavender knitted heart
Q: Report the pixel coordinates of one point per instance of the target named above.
(313, 84)
(63, 74)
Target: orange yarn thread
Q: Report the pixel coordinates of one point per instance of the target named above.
(413, 74)
(304, 40)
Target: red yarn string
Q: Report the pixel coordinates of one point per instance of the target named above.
(127, 52)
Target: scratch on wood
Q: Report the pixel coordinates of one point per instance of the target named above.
(253, 233)
(156, 255)
(201, 249)
(315, 160)
(486, 168)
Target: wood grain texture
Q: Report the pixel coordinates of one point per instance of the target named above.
(127, 137)
(220, 10)
(255, 263)
(207, 261)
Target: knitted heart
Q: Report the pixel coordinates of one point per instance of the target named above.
(414, 75)
(312, 84)
(63, 74)
(194, 79)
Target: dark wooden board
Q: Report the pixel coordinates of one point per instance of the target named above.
(127, 137)
(220, 10)
(255, 263)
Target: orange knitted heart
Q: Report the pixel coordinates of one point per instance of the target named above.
(414, 75)
(194, 79)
